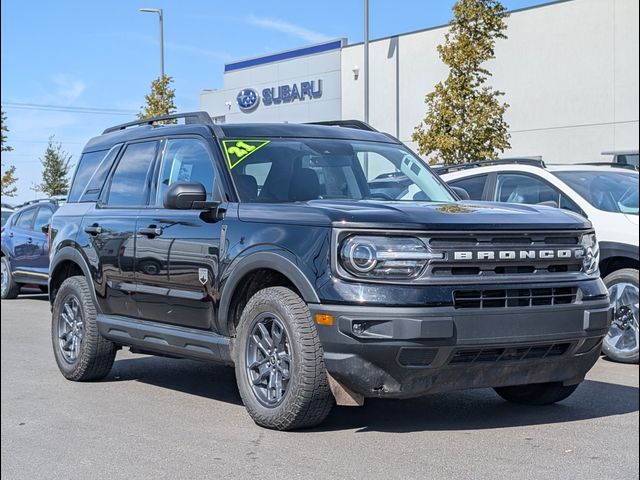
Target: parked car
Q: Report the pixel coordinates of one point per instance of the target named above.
(25, 248)
(262, 246)
(628, 158)
(606, 195)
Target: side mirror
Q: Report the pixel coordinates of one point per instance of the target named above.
(183, 195)
(45, 228)
(461, 192)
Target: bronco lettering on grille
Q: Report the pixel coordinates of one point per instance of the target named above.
(518, 254)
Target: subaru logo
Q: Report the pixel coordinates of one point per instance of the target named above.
(248, 99)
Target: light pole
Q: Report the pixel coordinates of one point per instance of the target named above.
(159, 12)
(366, 61)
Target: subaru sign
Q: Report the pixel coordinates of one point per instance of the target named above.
(289, 93)
(248, 99)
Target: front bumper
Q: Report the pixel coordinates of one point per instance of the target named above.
(404, 352)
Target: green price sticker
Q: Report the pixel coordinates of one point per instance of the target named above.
(238, 150)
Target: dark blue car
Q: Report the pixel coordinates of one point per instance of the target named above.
(25, 248)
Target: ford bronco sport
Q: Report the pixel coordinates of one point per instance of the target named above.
(264, 246)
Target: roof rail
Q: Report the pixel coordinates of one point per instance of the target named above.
(357, 124)
(38, 200)
(627, 166)
(189, 117)
(532, 161)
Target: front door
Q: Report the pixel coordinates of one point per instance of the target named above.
(177, 251)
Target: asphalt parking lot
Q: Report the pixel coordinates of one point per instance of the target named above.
(165, 418)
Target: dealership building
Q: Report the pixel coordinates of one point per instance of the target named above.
(569, 70)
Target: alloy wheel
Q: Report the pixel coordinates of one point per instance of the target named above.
(623, 333)
(268, 359)
(70, 329)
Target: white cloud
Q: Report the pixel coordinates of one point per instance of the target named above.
(69, 88)
(289, 28)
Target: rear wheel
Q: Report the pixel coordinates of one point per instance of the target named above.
(279, 362)
(81, 352)
(9, 288)
(622, 340)
(536, 393)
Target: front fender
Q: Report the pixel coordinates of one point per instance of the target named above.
(281, 261)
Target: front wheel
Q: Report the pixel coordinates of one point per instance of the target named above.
(536, 393)
(279, 362)
(621, 343)
(10, 289)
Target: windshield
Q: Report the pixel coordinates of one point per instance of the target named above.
(299, 170)
(608, 191)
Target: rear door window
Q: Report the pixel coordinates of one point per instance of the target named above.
(129, 185)
(25, 220)
(84, 171)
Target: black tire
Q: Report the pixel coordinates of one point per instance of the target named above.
(630, 351)
(95, 354)
(10, 289)
(307, 400)
(536, 393)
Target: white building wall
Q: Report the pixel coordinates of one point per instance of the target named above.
(569, 71)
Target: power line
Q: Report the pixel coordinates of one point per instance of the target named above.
(64, 108)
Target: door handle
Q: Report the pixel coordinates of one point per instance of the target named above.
(151, 231)
(94, 229)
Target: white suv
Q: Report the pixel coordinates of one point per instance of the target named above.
(606, 195)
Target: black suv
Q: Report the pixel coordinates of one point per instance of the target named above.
(264, 246)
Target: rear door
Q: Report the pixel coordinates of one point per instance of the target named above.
(108, 229)
(177, 251)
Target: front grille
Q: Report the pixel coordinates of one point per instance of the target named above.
(492, 256)
(514, 297)
(509, 354)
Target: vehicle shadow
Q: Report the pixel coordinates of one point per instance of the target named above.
(205, 379)
(481, 409)
(465, 410)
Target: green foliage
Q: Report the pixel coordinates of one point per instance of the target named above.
(464, 120)
(4, 130)
(56, 165)
(160, 100)
(8, 187)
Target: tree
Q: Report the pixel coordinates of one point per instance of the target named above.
(8, 185)
(160, 100)
(464, 120)
(56, 165)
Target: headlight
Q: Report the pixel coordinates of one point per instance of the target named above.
(591, 257)
(384, 257)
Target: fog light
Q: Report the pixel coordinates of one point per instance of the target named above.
(358, 328)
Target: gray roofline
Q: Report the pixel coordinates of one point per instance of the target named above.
(343, 41)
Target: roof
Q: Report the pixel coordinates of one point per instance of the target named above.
(235, 131)
(569, 167)
(302, 130)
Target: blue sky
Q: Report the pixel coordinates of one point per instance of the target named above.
(105, 54)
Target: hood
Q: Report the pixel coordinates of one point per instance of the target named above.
(466, 215)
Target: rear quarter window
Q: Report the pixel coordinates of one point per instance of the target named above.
(91, 174)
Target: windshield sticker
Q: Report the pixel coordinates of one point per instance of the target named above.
(239, 150)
